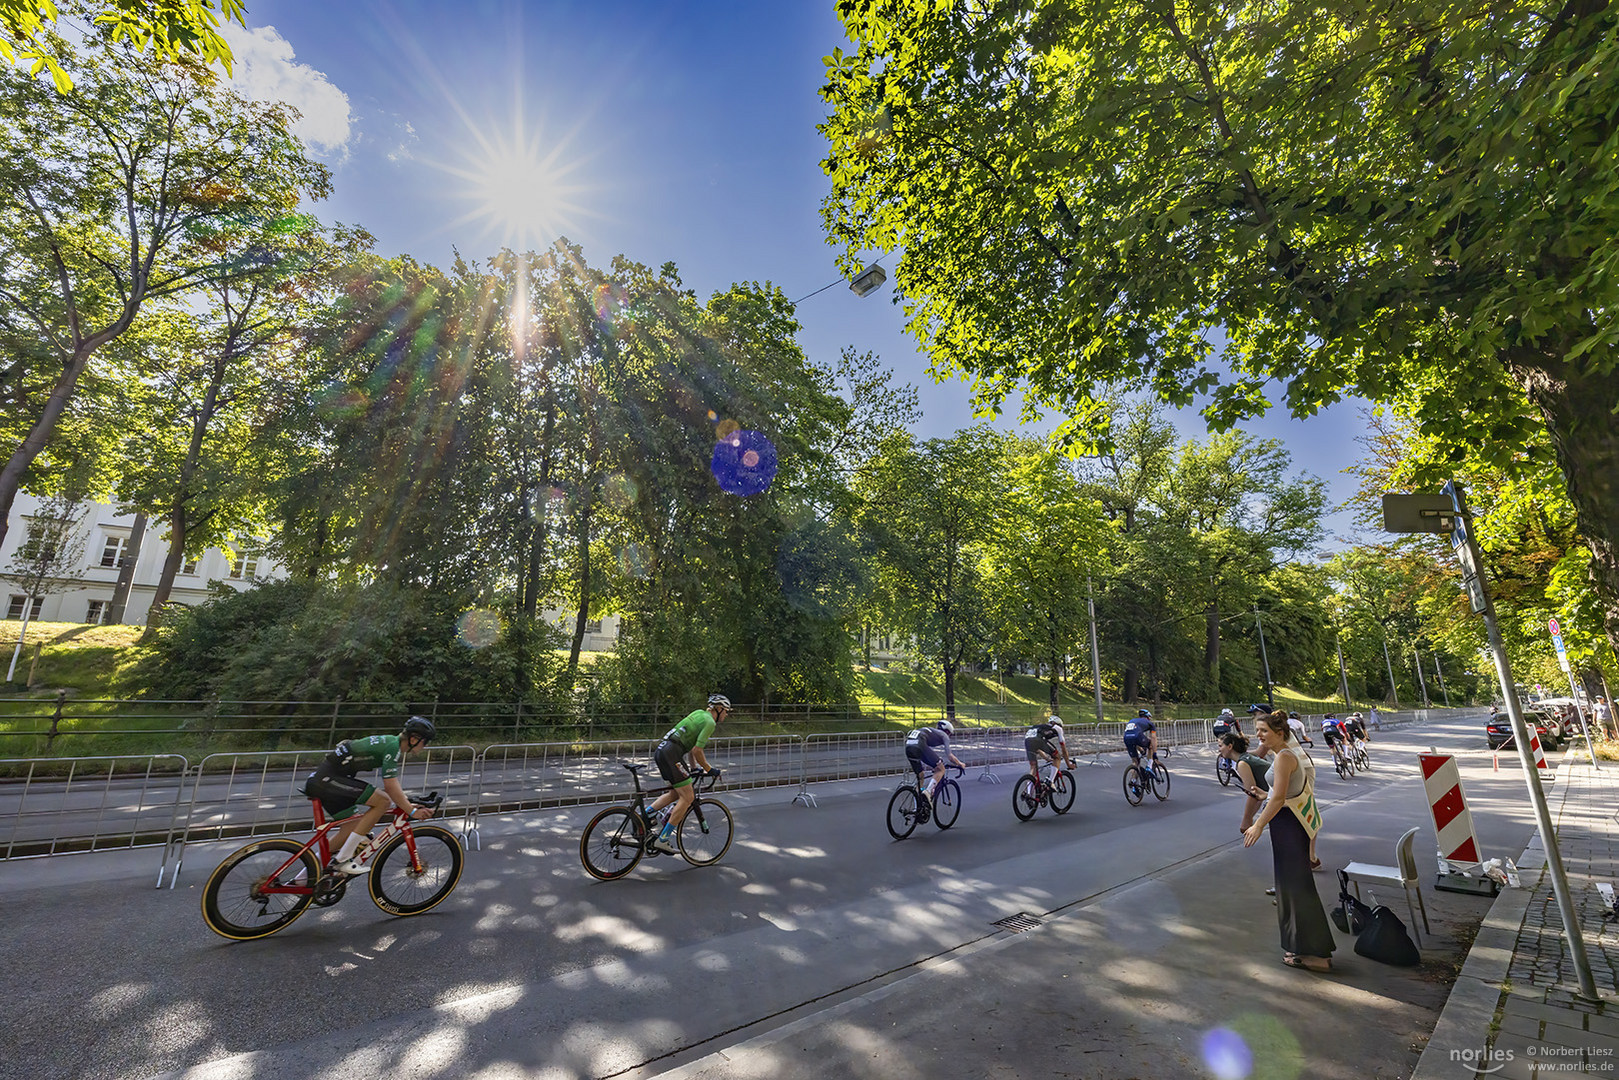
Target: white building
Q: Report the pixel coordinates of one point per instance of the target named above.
(106, 535)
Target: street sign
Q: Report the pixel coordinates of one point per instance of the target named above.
(1557, 643)
(1551, 624)
(1418, 513)
(1562, 660)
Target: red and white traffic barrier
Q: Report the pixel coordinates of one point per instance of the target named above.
(1452, 822)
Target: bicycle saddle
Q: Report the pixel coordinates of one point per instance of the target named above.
(634, 767)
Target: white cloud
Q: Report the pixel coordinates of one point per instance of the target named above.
(265, 70)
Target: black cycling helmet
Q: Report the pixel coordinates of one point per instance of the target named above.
(419, 727)
(1256, 707)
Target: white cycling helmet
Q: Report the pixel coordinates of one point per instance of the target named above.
(947, 727)
(1227, 712)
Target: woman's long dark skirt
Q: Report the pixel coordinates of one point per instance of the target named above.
(1305, 930)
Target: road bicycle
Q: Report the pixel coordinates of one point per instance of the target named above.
(908, 807)
(621, 836)
(1225, 770)
(1342, 761)
(1055, 789)
(263, 887)
(1361, 759)
(1138, 780)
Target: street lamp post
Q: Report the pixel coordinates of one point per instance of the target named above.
(1270, 695)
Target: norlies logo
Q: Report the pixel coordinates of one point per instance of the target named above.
(1484, 1061)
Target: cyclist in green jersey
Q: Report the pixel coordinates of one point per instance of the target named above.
(687, 737)
(336, 784)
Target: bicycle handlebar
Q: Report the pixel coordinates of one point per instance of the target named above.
(432, 800)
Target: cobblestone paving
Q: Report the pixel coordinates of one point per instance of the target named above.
(1546, 1028)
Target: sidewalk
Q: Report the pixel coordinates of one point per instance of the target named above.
(1515, 1012)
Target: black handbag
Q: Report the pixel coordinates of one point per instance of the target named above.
(1350, 915)
(1386, 941)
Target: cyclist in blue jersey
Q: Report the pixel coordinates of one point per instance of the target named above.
(337, 786)
(930, 747)
(1141, 738)
(687, 737)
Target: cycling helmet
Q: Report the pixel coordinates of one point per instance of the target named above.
(1256, 707)
(1144, 713)
(1228, 712)
(719, 699)
(419, 727)
(947, 727)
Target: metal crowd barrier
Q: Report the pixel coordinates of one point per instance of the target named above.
(60, 805)
(53, 813)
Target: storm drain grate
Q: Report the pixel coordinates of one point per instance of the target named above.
(1018, 923)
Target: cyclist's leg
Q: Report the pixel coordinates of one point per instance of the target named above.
(1031, 748)
(671, 766)
(684, 795)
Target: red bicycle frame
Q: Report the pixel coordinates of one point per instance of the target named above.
(400, 821)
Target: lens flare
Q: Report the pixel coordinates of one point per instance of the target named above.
(712, 416)
(744, 462)
(633, 561)
(478, 628)
(726, 429)
(1226, 1055)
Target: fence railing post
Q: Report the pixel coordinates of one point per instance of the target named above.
(56, 719)
(331, 735)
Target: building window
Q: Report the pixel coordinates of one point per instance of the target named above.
(40, 547)
(593, 626)
(15, 605)
(189, 567)
(97, 614)
(245, 566)
(113, 553)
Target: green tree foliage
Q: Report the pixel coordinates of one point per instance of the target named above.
(1046, 542)
(1385, 199)
(171, 28)
(928, 509)
(114, 196)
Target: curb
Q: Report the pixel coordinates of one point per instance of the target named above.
(1456, 1046)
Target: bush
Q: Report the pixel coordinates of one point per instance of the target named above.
(316, 641)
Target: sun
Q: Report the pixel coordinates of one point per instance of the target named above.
(519, 189)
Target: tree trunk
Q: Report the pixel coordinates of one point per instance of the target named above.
(585, 516)
(40, 434)
(1131, 689)
(126, 573)
(1055, 682)
(538, 535)
(949, 687)
(1578, 405)
(1211, 647)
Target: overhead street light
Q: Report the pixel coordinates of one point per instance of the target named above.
(868, 280)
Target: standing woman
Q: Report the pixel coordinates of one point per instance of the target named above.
(1307, 940)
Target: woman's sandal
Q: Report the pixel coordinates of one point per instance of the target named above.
(1294, 961)
(1315, 864)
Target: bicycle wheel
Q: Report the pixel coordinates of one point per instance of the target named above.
(612, 843)
(1063, 789)
(400, 886)
(1341, 766)
(705, 833)
(1362, 761)
(946, 803)
(234, 903)
(1135, 786)
(1160, 781)
(1222, 771)
(1025, 797)
(902, 812)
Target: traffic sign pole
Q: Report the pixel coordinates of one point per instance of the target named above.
(1537, 794)
(1573, 691)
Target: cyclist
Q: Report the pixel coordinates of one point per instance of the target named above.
(930, 746)
(1141, 737)
(1046, 739)
(1297, 725)
(687, 737)
(1332, 730)
(335, 783)
(1227, 724)
(1355, 727)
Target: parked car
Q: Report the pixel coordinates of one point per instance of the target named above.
(1499, 729)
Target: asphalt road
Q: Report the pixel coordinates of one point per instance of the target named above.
(534, 969)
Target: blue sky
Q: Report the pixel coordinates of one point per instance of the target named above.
(666, 130)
